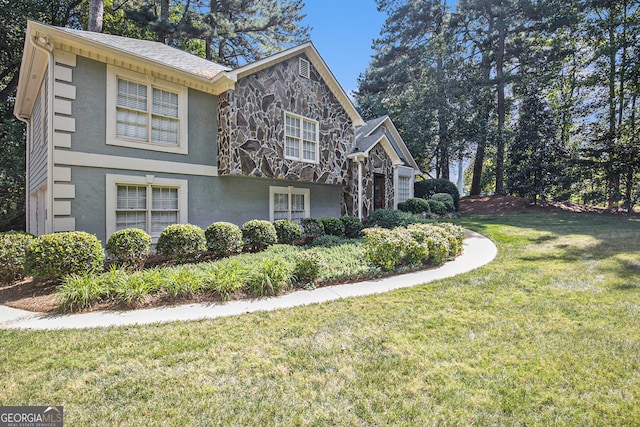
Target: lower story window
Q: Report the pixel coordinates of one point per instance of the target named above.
(148, 203)
(404, 183)
(289, 203)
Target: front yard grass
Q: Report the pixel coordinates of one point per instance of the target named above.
(547, 334)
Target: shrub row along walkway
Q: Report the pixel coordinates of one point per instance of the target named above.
(478, 251)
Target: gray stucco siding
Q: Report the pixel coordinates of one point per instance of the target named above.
(210, 199)
(90, 110)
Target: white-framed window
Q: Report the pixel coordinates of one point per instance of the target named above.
(145, 112)
(289, 203)
(145, 202)
(404, 186)
(300, 138)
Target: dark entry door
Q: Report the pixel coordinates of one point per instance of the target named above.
(378, 191)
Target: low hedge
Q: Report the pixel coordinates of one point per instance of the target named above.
(259, 234)
(129, 247)
(287, 231)
(183, 241)
(224, 239)
(56, 255)
(13, 246)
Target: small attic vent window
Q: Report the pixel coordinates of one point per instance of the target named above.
(304, 68)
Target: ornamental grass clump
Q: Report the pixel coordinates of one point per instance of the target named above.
(185, 242)
(271, 276)
(224, 239)
(13, 246)
(129, 248)
(56, 255)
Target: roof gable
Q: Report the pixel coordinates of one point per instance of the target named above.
(371, 134)
(318, 63)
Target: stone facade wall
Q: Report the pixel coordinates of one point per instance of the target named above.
(378, 162)
(251, 126)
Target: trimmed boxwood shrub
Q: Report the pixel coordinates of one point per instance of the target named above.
(308, 266)
(56, 255)
(258, 234)
(446, 199)
(437, 207)
(333, 226)
(352, 226)
(428, 187)
(312, 228)
(415, 205)
(224, 239)
(12, 249)
(390, 218)
(129, 247)
(184, 241)
(287, 231)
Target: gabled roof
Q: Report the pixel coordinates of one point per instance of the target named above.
(153, 51)
(156, 59)
(374, 131)
(312, 54)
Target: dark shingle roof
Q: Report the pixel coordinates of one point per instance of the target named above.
(153, 51)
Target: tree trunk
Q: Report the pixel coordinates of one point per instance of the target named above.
(500, 147)
(96, 13)
(483, 120)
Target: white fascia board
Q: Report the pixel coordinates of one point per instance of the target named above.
(388, 148)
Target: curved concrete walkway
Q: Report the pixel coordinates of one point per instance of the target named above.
(478, 251)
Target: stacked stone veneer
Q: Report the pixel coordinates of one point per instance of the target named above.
(377, 162)
(251, 126)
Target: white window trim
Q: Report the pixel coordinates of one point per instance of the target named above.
(112, 195)
(273, 190)
(301, 140)
(112, 94)
(404, 172)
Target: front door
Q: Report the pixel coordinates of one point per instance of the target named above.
(378, 191)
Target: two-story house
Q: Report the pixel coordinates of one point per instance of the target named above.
(133, 133)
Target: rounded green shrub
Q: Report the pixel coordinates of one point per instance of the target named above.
(309, 265)
(415, 205)
(352, 226)
(129, 247)
(184, 241)
(259, 234)
(333, 226)
(312, 228)
(446, 199)
(390, 218)
(437, 207)
(287, 231)
(381, 248)
(12, 249)
(428, 187)
(56, 255)
(224, 239)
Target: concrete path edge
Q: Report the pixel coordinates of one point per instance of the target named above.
(478, 251)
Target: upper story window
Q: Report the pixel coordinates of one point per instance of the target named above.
(301, 138)
(145, 114)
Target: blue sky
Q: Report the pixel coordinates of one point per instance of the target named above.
(342, 31)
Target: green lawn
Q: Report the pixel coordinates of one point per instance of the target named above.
(547, 334)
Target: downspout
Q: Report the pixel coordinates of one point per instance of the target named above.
(43, 44)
